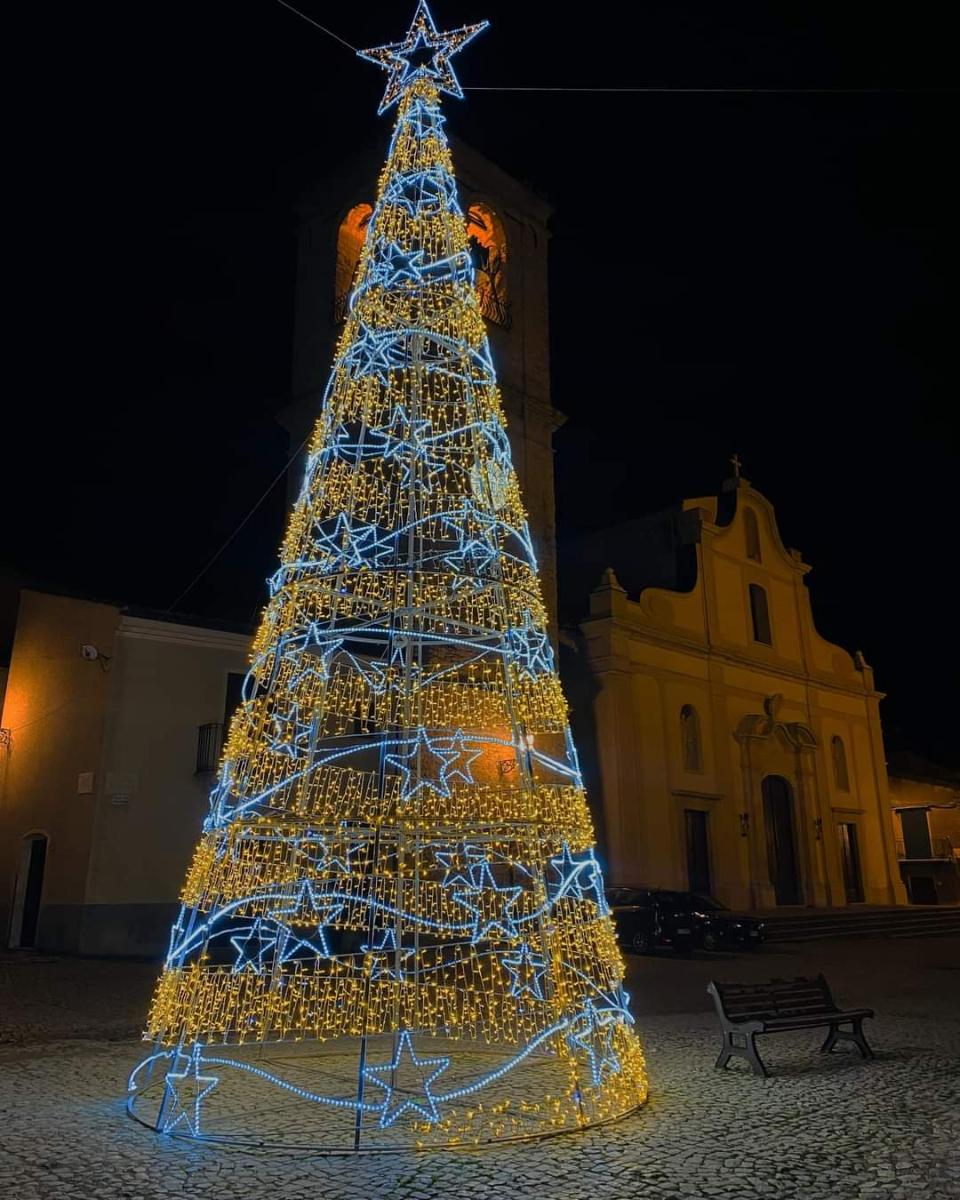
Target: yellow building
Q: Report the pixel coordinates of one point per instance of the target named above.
(926, 823)
(736, 751)
(111, 732)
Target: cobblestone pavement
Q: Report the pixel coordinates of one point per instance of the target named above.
(820, 1128)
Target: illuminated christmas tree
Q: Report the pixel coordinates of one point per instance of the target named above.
(394, 929)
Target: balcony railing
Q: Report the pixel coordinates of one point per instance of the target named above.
(209, 743)
(940, 848)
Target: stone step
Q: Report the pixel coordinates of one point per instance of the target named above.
(897, 922)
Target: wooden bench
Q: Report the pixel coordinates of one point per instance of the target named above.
(746, 1009)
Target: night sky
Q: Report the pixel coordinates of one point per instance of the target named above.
(771, 274)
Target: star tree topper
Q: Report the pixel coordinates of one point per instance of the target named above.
(423, 54)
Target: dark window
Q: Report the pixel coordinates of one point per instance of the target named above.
(839, 753)
(916, 833)
(690, 738)
(760, 615)
(752, 534)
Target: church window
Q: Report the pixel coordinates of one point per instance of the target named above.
(752, 534)
(841, 776)
(690, 738)
(350, 236)
(760, 614)
(488, 249)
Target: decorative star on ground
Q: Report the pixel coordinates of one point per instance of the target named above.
(528, 970)
(399, 1099)
(424, 53)
(185, 1106)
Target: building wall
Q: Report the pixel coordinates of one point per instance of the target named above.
(121, 837)
(168, 679)
(54, 707)
(763, 710)
(932, 877)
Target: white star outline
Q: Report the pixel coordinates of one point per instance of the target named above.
(593, 1031)
(246, 957)
(325, 908)
(360, 546)
(569, 870)
(425, 1104)
(190, 1072)
(422, 34)
(477, 880)
(532, 967)
(416, 748)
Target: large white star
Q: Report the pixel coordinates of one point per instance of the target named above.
(414, 758)
(186, 1092)
(412, 1093)
(433, 50)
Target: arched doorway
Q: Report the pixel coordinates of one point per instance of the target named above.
(26, 901)
(781, 842)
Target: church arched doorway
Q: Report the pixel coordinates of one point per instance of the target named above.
(26, 904)
(778, 817)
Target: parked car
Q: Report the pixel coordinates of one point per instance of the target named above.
(715, 927)
(648, 919)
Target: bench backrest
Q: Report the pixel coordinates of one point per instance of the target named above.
(803, 996)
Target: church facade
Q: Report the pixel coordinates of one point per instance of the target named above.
(736, 752)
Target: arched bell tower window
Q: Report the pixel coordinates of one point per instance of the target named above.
(352, 231)
(690, 739)
(752, 534)
(488, 249)
(840, 775)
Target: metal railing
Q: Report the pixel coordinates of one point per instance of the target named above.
(209, 743)
(940, 847)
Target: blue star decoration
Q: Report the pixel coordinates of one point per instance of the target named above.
(325, 909)
(459, 766)
(350, 545)
(252, 948)
(427, 119)
(527, 969)
(423, 760)
(593, 1031)
(480, 885)
(576, 876)
(424, 53)
(416, 1094)
(186, 1091)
